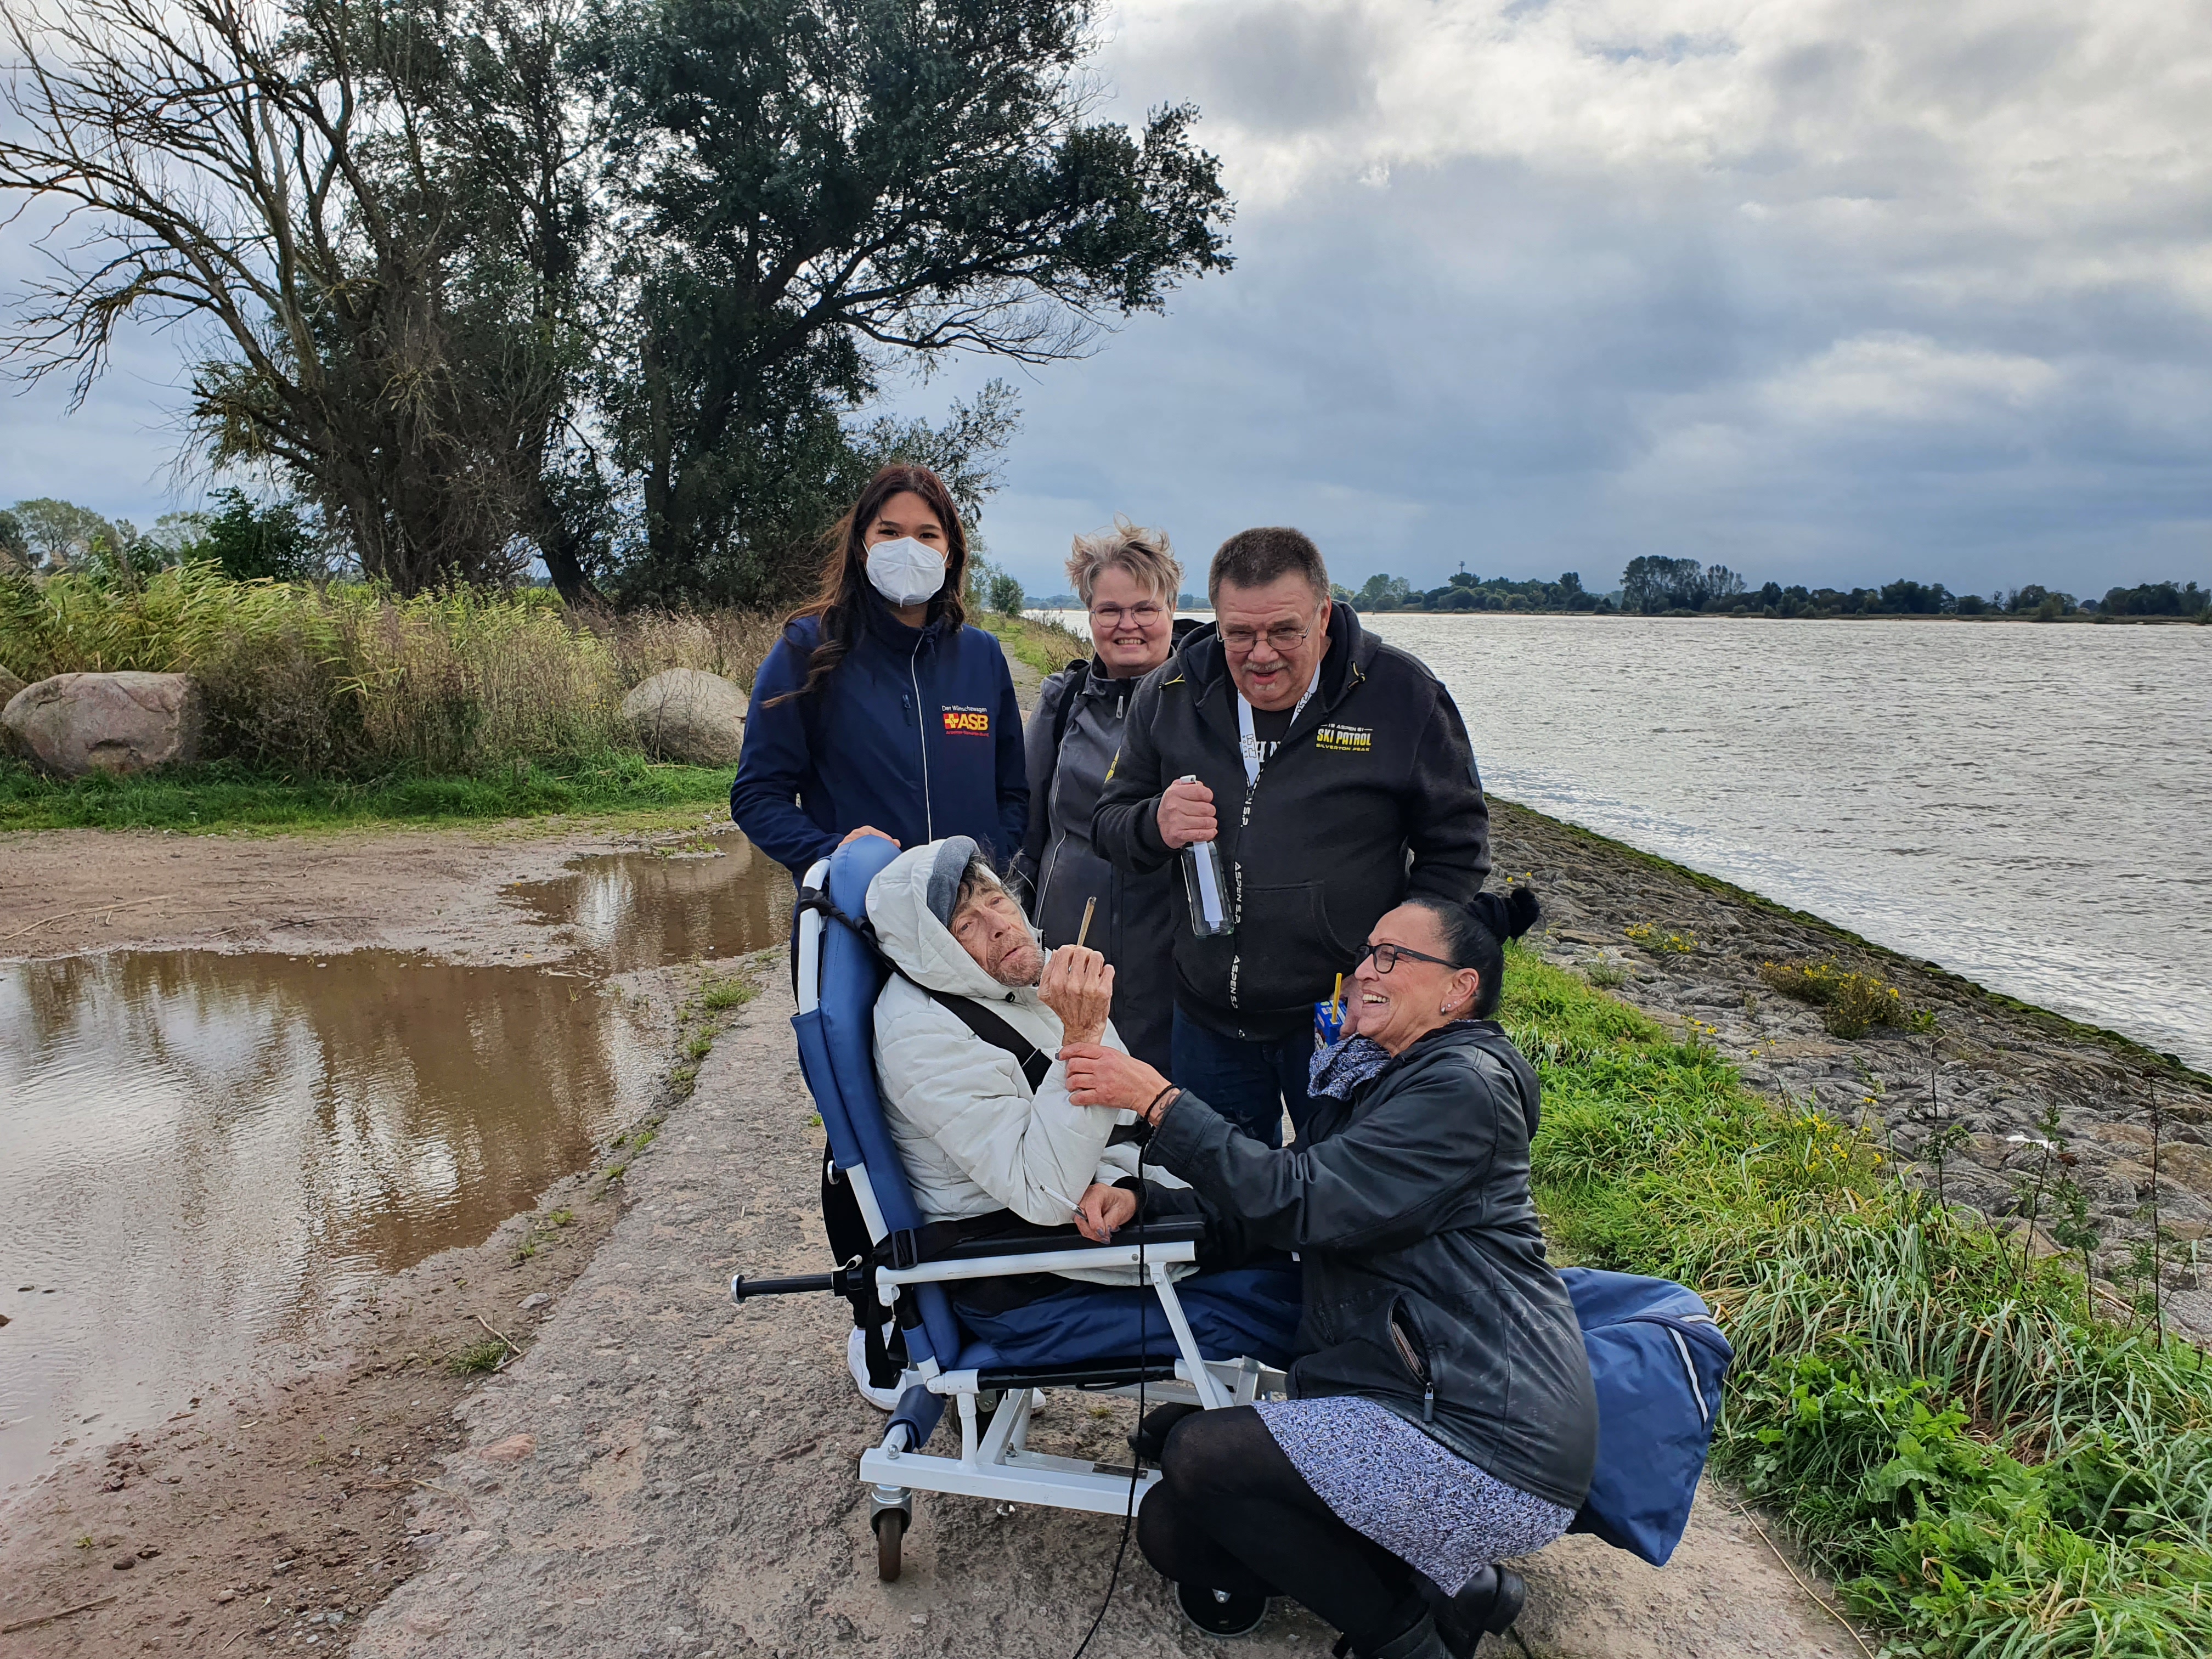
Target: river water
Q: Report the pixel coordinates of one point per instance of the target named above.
(194, 1146)
(2029, 806)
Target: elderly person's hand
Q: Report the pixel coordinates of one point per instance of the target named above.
(1079, 987)
(1104, 1076)
(1103, 1211)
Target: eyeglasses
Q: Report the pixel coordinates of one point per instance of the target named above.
(1145, 615)
(1282, 639)
(1386, 957)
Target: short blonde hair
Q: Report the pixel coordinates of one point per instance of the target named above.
(1145, 554)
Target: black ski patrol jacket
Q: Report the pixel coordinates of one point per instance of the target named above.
(1372, 798)
(1426, 1288)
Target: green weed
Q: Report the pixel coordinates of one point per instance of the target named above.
(484, 1355)
(1648, 935)
(1850, 1004)
(1985, 1467)
(718, 994)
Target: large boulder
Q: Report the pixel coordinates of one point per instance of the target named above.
(688, 714)
(74, 724)
(10, 684)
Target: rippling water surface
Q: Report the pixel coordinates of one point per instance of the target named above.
(2030, 807)
(2025, 805)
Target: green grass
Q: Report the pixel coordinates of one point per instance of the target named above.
(478, 1357)
(224, 795)
(1046, 647)
(1987, 1470)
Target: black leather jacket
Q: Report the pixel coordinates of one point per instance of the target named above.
(1426, 1289)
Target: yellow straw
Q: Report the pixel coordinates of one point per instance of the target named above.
(1335, 996)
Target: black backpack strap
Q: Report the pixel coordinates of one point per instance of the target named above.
(1033, 1060)
(1066, 711)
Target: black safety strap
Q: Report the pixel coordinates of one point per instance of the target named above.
(1033, 1060)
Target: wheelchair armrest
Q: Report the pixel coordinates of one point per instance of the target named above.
(1176, 1229)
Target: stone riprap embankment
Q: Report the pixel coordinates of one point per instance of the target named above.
(1993, 1067)
(664, 1474)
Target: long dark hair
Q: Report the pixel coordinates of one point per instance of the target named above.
(845, 593)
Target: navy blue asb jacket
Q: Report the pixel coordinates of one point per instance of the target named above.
(916, 732)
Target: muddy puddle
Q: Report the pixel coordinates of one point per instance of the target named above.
(195, 1146)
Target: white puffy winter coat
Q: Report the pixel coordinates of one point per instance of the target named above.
(974, 1136)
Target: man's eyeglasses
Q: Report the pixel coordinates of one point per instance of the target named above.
(1282, 639)
(1386, 957)
(1110, 616)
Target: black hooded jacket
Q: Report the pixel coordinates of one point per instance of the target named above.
(1371, 796)
(1408, 1206)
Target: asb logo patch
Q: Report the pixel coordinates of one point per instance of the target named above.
(1345, 739)
(968, 721)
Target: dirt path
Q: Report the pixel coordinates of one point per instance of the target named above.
(67, 890)
(689, 1488)
(666, 1473)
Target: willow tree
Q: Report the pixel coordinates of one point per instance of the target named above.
(370, 220)
(807, 193)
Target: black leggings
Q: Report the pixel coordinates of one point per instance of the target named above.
(1231, 1513)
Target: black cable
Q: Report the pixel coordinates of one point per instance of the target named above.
(1136, 1456)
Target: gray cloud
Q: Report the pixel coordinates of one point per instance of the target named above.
(1834, 292)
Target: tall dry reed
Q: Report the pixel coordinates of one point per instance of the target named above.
(348, 680)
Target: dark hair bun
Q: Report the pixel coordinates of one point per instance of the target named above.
(1508, 915)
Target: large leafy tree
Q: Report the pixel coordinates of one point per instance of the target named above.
(810, 191)
(368, 215)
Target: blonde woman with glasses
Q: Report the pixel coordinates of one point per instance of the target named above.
(1127, 578)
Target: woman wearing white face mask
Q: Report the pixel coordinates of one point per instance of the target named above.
(879, 712)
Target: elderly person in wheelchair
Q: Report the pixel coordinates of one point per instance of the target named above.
(967, 1029)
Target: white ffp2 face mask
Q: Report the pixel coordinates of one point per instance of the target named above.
(905, 571)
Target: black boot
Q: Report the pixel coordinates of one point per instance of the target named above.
(1150, 1438)
(1422, 1642)
(1487, 1603)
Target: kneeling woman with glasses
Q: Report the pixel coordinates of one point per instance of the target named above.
(1441, 1416)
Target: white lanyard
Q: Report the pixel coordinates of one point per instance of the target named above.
(1248, 742)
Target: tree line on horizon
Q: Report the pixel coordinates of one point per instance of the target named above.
(1654, 585)
(606, 284)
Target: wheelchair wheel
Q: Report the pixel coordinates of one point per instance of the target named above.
(890, 1532)
(1218, 1612)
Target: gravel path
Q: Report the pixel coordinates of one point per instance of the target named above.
(666, 1474)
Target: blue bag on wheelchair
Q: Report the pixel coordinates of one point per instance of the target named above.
(1658, 1361)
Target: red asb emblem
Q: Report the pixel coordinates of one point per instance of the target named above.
(975, 721)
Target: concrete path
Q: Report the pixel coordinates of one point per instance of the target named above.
(666, 1474)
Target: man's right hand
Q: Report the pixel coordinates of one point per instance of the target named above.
(1185, 813)
(851, 836)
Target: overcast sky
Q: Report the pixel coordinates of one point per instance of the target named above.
(1827, 291)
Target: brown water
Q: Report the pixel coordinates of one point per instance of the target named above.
(194, 1147)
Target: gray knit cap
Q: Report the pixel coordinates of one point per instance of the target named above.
(954, 855)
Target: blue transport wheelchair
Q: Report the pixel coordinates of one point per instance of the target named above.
(838, 974)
